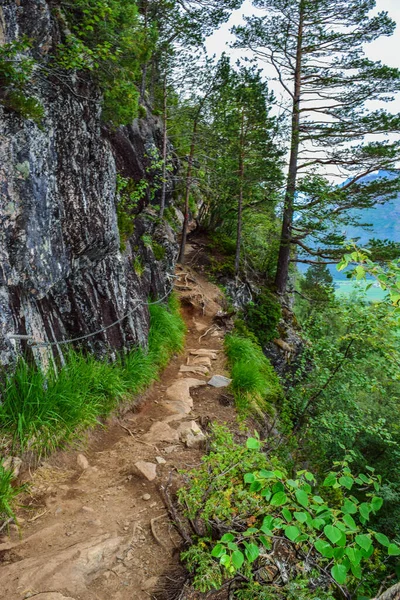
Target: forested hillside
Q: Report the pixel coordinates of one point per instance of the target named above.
(132, 163)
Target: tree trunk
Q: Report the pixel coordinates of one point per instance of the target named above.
(240, 203)
(164, 170)
(144, 66)
(282, 274)
(187, 193)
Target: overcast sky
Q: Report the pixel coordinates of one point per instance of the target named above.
(385, 49)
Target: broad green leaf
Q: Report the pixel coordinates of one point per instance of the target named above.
(266, 494)
(301, 517)
(232, 546)
(225, 561)
(287, 515)
(278, 487)
(253, 444)
(356, 570)
(346, 482)
(265, 542)
(302, 498)
(324, 548)
(332, 533)
(228, 537)
(330, 480)
(349, 507)
(256, 486)
(339, 573)
(266, 474)
(237, 559)
(364, 541)
(268, 522)
(218, 551)
(249, 478)
(338, 553)
(382, 539)
(279, 499)
(318, 523)
(350, 522)
(318, 500)
(292, 533)
(394, 550)
(364, 510)
(376, 503)
(252, 552)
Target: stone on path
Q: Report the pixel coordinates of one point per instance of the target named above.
(180, 390)
(147, 469)
(160, 432)
(197, 370)
(82, 462)
(146, 497)
(191, 434)
(200, 360)
(219, 381)
(71, 570)
(160, 460)
(205, 352)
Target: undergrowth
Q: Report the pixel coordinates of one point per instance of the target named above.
(270, 536)
(255, 384)
(43, 411)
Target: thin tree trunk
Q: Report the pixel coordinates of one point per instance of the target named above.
(187, 192)
(144, 66)
(240, 203)
(282, 274)
(164, 170)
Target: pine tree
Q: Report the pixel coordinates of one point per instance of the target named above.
(317, 50)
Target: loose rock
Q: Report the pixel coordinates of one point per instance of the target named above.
(161, 432)
(148, 470)
(219, 381)
(146, 497)
(82, 462)
(161, 460)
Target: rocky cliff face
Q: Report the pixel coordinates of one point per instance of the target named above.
(62, 274)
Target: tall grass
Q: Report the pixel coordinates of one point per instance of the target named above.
(255, 384)
(8, 493)
(43, 411)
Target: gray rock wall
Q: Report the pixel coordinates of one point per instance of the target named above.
(62, 274)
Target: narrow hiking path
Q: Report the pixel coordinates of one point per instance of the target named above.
(94, 525)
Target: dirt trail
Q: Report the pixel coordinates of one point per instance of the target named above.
(94, 527)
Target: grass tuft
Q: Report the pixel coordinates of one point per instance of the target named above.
(254, 382)
(44, 411)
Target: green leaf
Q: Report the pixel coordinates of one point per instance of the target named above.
(228, 537)
(346, 482)
(356, 570)
(382, 539)
(256, 486)
(302, 498)
(253, 444)
(252, 552)
(318, 500)
(318, 523)
(324, 548)
(287, 515)
(339, 574)
(349, 507)
(350, 522)
(394, 550)
(332, 533)
(225, 560)
(218, 551)
(279, 499)
(301, 517)
(364, 541)
(292, 532)
(267, 474)
(330, 480)
(249, 478)
(265, 542)
(364, 511)
(376, 503)
(237, 559)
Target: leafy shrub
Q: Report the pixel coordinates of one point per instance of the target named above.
(16, 71)
(254, 382)
(263, 316)
(283, 536)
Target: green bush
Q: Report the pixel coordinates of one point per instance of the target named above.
(279, 536)
(263, 316)
(43, 411)
(254, 382)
